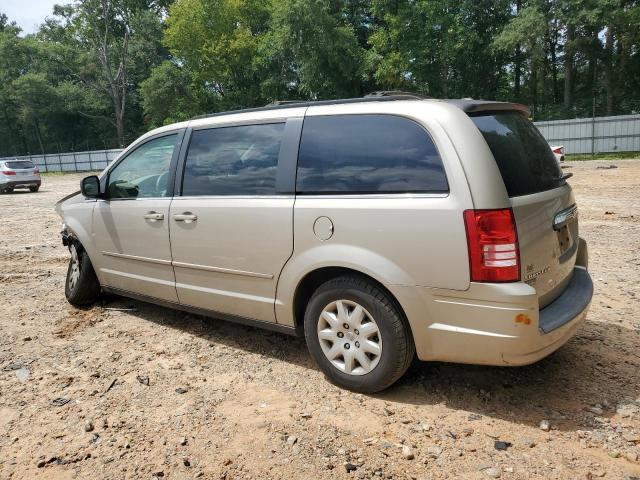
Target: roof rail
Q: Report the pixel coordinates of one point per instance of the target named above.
(382, 96)
(397, 95)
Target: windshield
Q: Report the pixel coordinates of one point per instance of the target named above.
(524, 158)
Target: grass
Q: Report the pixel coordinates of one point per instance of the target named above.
(602, 156)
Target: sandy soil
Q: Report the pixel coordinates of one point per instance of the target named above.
(254, 405)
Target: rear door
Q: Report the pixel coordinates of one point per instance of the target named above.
(543, 203)
(232, 224)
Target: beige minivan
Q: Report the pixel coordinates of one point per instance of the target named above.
(377, 227)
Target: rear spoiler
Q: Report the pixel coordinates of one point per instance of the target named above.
(472, 107)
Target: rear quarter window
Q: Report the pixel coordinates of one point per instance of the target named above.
(525, 160)
(345, 154)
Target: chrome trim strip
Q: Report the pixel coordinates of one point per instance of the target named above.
(181, 287)
(267, 276)
(477, 305)
(167, 283)
(231, 197)
(135, 257)
(452, 328)
(231, 271)
(350, 196)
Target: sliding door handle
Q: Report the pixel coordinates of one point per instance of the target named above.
(186, 217)
(154, 216)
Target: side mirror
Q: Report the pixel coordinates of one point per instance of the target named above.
(90, 186)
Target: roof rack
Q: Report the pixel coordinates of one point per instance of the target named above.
(381, 96)
(397, 95)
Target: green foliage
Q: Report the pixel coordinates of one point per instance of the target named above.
(100, 72)
(168, 95)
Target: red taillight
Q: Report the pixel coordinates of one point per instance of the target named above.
(492, 241)
(558, 150)
(9, 172)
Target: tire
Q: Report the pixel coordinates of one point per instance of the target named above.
(34, 189)
(343, 295)
(81, 286)
(7, 190)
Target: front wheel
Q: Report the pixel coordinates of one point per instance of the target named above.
(81, 287)
(34, 189)
(357, 335)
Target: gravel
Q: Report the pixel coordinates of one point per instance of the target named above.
(249, 390)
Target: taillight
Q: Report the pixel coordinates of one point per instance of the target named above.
(558, 150)
(9, 172)
(36, 171)
(492, 241)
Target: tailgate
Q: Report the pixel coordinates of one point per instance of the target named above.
(542, 202)
(547, 225)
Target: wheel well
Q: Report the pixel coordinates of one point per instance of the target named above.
(314, 279)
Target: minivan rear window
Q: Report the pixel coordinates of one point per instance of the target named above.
(524, 158)
(20, 164)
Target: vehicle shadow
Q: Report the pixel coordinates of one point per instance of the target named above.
(599, 366)
(586, 378)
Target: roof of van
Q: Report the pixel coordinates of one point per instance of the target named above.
(468, 105)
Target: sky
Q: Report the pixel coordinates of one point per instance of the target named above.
(28, 14)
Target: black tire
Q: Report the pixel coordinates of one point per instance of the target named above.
(84, 290)
(7, 190)
(34, 189)
(398, 348)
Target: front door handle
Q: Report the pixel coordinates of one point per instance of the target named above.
(154, 216)
(186, 217)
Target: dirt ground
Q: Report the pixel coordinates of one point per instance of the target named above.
(157, 393)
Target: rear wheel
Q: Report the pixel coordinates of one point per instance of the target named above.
(82, 287)
(7, 190)
(357, 335)
(34, 189)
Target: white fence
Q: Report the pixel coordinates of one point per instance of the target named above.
(594, 135)
(71, 162)
(579, 135)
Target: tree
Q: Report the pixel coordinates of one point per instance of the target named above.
(312, 51)
(168, 95)
(121, 37)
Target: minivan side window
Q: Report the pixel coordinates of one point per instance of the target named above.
(367, 154)
(236, 160)
(144, 172)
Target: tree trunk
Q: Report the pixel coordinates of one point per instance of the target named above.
(12, 135)
(553, 45)
(568, 68)
(119, 115)
(534, 88)
(37, 125)
(608, 71)
(517, 70)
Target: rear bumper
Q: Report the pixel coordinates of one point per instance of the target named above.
(21, 183)
(494, 324)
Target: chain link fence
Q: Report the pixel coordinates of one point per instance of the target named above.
(71, 162)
